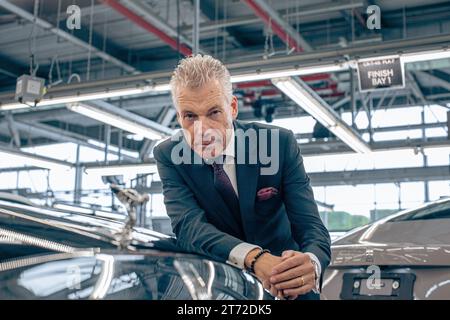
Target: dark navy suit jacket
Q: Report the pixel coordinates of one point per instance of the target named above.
(203, 223)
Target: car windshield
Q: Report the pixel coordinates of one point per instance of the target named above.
(436, 211)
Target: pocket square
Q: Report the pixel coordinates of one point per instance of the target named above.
(266, 193)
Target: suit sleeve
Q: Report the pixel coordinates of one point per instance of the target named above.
(193, 231)
(307, 227)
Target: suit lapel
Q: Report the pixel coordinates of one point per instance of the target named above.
(247, 180)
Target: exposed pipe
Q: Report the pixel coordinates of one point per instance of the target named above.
(144, 10)
(417, 45)
(196, 27)
(276, 25)
(282, 29)
(147, 26)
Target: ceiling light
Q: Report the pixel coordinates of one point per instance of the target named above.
(105, 94)
(115, 120)
(263, 75)
(312, 103)
(35, 160)
(111, 170)
(425, 56)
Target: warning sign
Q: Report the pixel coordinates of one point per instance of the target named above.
(380, 74)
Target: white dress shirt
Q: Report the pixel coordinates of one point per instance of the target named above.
(239, 252)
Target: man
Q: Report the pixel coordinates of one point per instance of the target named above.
(223, 198)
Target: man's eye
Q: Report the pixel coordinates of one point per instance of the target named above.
(189, 116)
(215, 112)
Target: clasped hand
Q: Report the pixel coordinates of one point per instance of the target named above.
(288, 276)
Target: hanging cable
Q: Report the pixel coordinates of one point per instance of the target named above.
(216, 18)
(58, 17)
(268, 43)
(178, 30)
(91, 22)
(105, 35)
(32, 40)
(224, 30)
(288, 23)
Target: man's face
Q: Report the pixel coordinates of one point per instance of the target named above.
(205, 117)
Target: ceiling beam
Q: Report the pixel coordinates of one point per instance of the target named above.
(10, 68)
(434, 79)
(338, 147)
(146, 25)
(65, 35)
(61, 135)
(145, 11)
(12, 126)
(357, 177)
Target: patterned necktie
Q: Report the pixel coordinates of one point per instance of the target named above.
(223, 184)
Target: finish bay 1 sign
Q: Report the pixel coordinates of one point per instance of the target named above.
(384, 73)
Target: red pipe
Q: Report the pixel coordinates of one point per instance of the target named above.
(147, 26)
(316, 77)
(279, 31)
(268, 83)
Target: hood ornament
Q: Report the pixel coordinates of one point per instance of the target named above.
(132, 200)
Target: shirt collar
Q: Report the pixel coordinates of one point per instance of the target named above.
(229, 150)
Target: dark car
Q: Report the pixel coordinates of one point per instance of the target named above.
(403, 256)
(54, 254)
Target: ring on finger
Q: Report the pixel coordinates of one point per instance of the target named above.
(303, 281)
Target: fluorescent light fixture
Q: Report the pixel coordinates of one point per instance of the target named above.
(254, 76)
(135, 137)
(120, 169)
(312, 103)
(425, 56)
(35, 160)
(13, 106)
(115, 120)
(90, 96)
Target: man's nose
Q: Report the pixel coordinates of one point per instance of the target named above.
(205, 125)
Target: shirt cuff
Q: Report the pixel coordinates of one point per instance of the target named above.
(238, 253)
(318, 271)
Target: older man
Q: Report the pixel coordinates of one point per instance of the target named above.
(238, 192)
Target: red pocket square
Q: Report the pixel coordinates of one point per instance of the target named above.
(266, 193)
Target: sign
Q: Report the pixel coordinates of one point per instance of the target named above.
(384, 73)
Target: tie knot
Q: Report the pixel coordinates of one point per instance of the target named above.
(216, 162)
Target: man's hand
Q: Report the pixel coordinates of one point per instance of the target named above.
(295, 275)
(263, 269)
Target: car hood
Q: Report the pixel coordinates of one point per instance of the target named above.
(153, 275)
(402, 243)
(102, 229)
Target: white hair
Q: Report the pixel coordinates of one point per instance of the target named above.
(196, 71)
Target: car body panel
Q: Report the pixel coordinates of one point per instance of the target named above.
(414, 242)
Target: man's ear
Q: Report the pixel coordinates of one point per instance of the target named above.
(234, 107)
